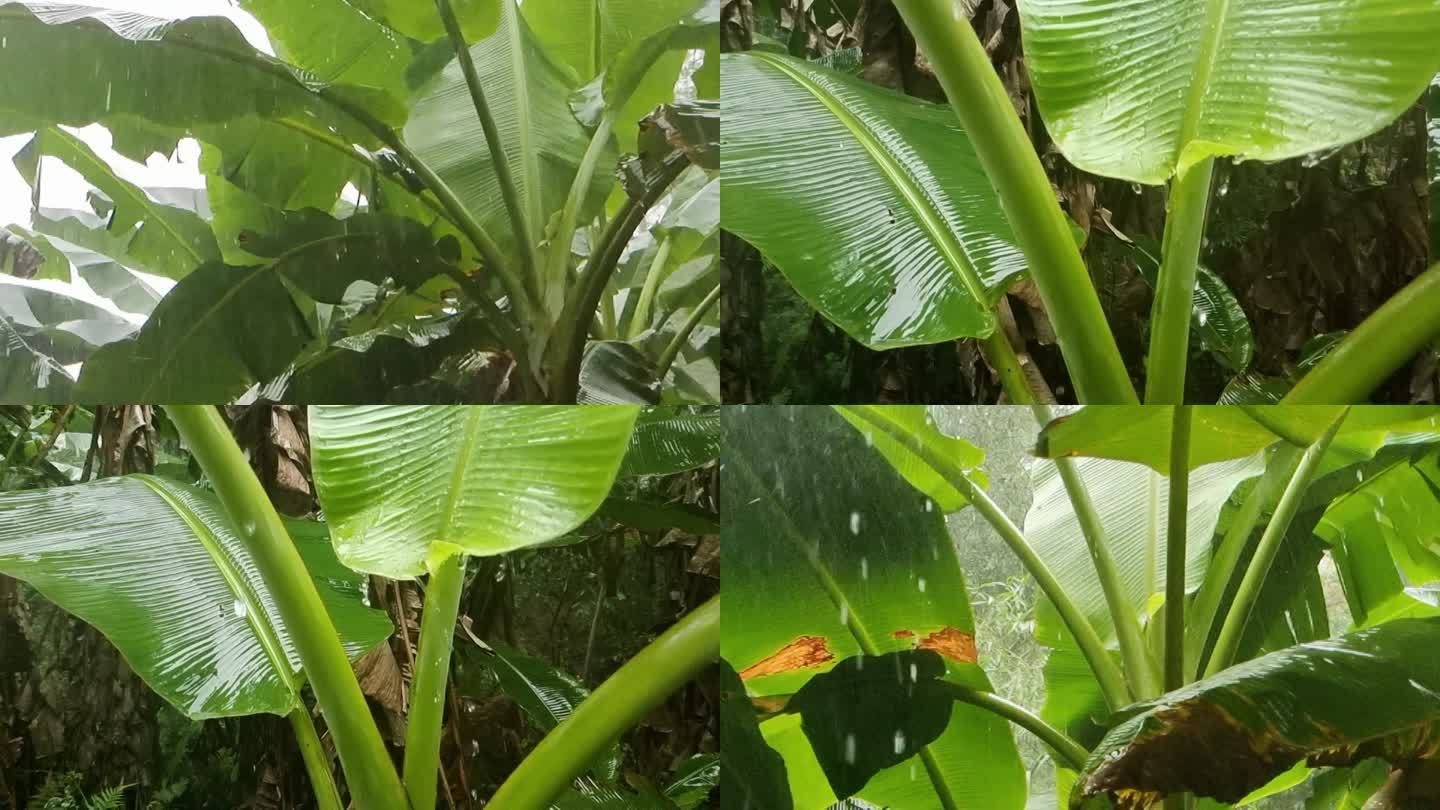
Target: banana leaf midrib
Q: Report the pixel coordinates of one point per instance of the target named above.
(932, 223)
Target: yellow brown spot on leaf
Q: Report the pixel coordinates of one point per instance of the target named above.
(952, 644)
(902, 634)
(805, 651)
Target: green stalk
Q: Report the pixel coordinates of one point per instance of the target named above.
(317, 764)
(519, 222)
(1175, 285)
(1002, 357)
(1175, 548)
(975, 91)
(1139, 667)
(1067, 752)
(640, 319)
(623, 700)
(1400, 329)
(1112, 681)
(432, 673)
(373, 782)
(1205, 609)
(558, 269)
(1249, 591)
(672, 351)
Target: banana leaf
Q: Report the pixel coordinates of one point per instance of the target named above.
(672, 440)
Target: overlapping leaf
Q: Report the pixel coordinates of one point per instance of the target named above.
(872, 204)
(672, 440)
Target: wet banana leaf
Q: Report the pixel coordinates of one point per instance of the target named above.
(694, 782)
(56, 324)
(672, 440)
(1227, 735)
(1218, 324)
(1218, 433)
(873, 422)
(98, 256)
(752, 774)
(614, 372)
(160, 570)
(832, 554)
(421, 21)
(1142, 92)
(872, 204)
(337, 43)
(406, 486)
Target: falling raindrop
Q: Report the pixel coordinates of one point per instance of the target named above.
(850, 748)
(239, 609)
(921, 585)
(854, 522)
(899, 742)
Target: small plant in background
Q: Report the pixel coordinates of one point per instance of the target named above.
(62, 791)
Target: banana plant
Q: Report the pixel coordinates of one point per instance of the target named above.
(1177, 552)
(429, 202)
(226, 609)
(905, 223)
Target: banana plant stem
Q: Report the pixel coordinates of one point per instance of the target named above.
(1111, 679)
(558, 268)
(374, 785)
(640, 318)
(975, 91)
(643, 683)
(672, 351)
(1205, 608)
(509, 192)
(1377, 348)
(1002, 358)
(432, 673)
(1249, 591)
(1067, 752)
(1175, 548)
(1175, 286)
(317, 764)
(1139, 668)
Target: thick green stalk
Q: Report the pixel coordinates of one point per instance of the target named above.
(1205, 608)
(1377, 348)
(672, 351)
(509, 193)
(557, 269)
(432, 673)
(1139, 667)
(1112, 680)
(623, 700)
(374, 785)
(317, 764)
(1002, 357)
(1175, 285)
(1175, 548)
(1069, 753)
(1249, 591)
(983, 104)
(640, 319)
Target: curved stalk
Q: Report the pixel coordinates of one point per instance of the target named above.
(1400, 329)
(672, 351)
(1175, 548)
(432, 673)
(1112, 681)
(975, 91)
(373, 782)
(317, 765)
(1175, 285)
(1067, 752)
(1002, 358)
(1249, 591)
(1205, 609)
(640, 318)
(618, 704)
(509, 193)
(558, 267)
(1139, 667)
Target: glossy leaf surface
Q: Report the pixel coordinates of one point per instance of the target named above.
(160, 570)
(872, 204)
(916, 421)
(672, 440)
(1139, 91)
(403, 486)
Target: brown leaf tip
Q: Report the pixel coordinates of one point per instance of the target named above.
(805, 651)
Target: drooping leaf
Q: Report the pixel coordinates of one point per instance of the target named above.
(672, 440)
(159, 569)
(56, 324)
(831, 554)
(614, 372)
(752, 774)
(403, 486)
(1226, 735)
(915, 420)
(1141, 92)
(872, 204)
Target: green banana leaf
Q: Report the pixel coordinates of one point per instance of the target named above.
(1141, 92)
(337, 43)
(872, 204)
(1218, 324)
(159, 569)
(830, 554)
(752, 774)
(421, 21)
(672, 440)
(694, 781)
(1227, 735)
(41, 332)
(97, 255)
(916, 421)
(651, 515)
(403, 487)
(614, 372)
